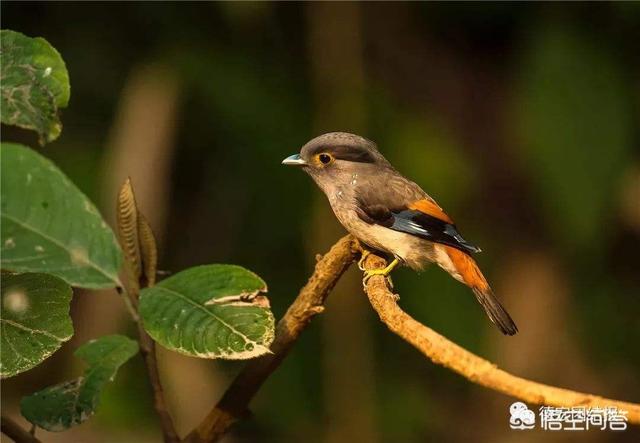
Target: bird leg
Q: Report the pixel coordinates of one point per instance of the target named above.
(382, 271)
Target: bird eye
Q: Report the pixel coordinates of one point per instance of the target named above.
(325, 159)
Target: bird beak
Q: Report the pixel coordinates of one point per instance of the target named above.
(294, 160)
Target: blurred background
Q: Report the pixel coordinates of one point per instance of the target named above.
(523, 121)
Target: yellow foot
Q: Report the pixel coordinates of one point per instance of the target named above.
(365, 253)
(368, 275)
(384, 271)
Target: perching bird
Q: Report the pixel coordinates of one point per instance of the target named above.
(392, 214)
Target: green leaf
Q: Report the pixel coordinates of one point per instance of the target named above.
(35, 83)
(198, 312)
(35, 320)
(67, 404)
(49, 225)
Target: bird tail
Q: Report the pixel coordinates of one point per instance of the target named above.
(468, 272)
(496, 312)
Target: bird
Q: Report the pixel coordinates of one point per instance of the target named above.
(391, 214)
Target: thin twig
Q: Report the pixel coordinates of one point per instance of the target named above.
(309, 302)
(148, 351)
(475, 369)
(140, 260)
(16, 432)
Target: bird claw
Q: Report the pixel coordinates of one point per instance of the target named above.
(368, 273)
(363, 256)
(395, 297)
(384, 272)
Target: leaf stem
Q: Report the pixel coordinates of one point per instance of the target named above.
(129, 302)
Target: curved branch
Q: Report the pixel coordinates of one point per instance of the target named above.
(476, 369)
(15, 432)
(309, 303)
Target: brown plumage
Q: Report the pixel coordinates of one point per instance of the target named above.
(392, 214)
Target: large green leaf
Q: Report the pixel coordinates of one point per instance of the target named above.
(198, 312)
(35, 83)
(35, 320)
(67, 404)
(49, 225)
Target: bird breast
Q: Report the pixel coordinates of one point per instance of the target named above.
(413, 251)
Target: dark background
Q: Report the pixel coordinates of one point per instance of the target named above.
(522, 120)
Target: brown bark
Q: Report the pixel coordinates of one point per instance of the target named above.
(15, 432)
(475, 369)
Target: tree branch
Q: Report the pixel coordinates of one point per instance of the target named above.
(233, 404)
(15, 432)
(148, 351)
(475, 369)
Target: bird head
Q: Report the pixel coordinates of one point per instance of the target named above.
(334, 159)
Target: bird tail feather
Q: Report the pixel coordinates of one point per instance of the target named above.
(496, 312)
(470, 274)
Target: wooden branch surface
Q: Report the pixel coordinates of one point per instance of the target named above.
(15, 432)
(444, 352)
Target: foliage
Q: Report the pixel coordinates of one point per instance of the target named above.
(55, 235)
(67, 404)
(35, 320)
(459, 99)
(202, 312)
(57, 229)
(35, 84)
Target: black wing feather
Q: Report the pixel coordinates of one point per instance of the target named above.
(430, 228)
(389, 207)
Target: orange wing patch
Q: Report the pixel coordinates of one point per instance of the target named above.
(430, 208)
(467, 268)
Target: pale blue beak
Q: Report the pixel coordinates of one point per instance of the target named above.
(294, 160)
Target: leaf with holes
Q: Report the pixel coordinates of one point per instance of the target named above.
(67, 404)
(35, 320)
(35, 83)
(212, 311)
(49, 225)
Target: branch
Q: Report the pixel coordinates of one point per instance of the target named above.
(148, 351)
(140, 261)
(15, 432)
(475, 369)
(309, 302)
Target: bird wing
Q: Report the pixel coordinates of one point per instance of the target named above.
(422, 218)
